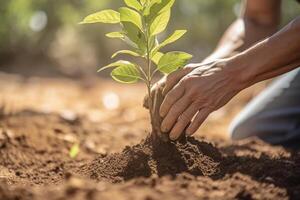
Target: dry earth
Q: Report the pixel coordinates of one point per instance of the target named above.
(42, 118)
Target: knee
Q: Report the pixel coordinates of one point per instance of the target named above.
(240, 129)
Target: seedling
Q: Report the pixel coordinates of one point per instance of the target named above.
(141, 22)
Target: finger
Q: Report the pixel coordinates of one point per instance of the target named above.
(198, 120)
(175, 94)
(176, 110)
(173, 78)
(182, 122)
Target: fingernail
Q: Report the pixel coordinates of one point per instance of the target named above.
(172, 137)
(163, 128)
(161, 113)
(188, 132)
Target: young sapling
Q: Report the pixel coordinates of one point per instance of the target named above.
(141, 21)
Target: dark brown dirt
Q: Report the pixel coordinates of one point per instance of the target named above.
(152, 158)
(41, 119)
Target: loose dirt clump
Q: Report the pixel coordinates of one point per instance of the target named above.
(157, 158)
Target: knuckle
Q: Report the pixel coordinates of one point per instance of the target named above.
(170, 81)
(179, 127)
(199, 102)
(189, 67)
(184, 118)
(208, 105)
(184, 81)
(175, 110)
(192, 92)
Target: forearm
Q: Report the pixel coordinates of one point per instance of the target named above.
(242, 34)
(259, 20)
(271, 57)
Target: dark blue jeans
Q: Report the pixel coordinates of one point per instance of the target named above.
(274, 115)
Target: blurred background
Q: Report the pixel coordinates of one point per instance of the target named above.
(43, 38)
(48, 67)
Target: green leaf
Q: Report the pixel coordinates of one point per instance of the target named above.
(149, 6)
(160, 23)
(126, 74)
(135, 35)
(105, 16)
(159, 7)
(133, 4)
(164, 5)
(153, 42)
(130, 43)
(156, 58)
(115, 35)
(115, 64)
(132, 53)
(172, 61)
(143, 1)
(74, 151)
(129, 15)
(175, 36)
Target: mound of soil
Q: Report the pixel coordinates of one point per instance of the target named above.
(157, 158)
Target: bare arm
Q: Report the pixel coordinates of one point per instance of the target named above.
(259, 19)
(271, 57)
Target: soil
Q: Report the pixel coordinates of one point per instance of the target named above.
(153, 158)
(41, 119)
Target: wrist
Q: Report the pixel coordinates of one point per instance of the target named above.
(238, 68)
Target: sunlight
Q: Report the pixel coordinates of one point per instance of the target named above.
(38, 21)
(111, 101)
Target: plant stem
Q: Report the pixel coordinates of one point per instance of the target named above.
(149, 75)
(144, 74)
(149, 83)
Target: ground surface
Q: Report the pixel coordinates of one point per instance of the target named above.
(41, 119)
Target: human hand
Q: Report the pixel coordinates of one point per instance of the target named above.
(200, 92)
(169, 81)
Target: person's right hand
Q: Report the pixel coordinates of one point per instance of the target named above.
(169, 81)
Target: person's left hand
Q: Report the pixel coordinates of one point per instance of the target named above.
(196, 95)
